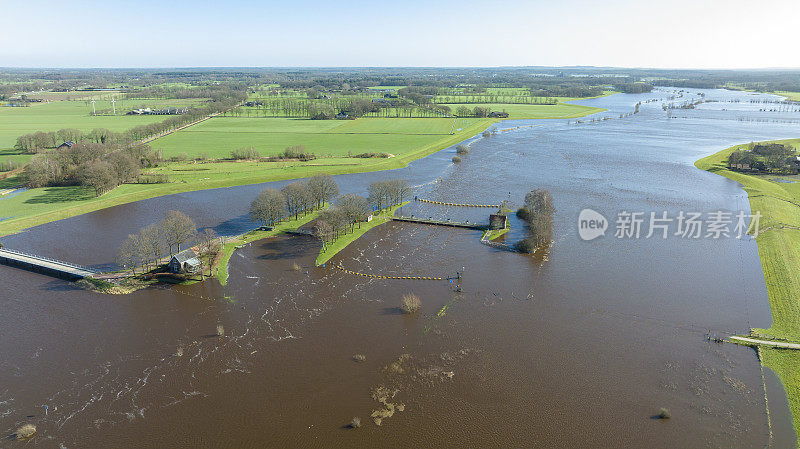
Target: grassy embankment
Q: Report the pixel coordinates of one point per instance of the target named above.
(779, 251)
(346, 239)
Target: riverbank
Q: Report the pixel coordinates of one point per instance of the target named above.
(779, 250)
(341, 243)
(220, 264)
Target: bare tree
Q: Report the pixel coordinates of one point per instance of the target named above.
(323, 231)
(323, 188)
(354, 208)
(150, 244)
(378, 194)
(296, 195)
(129, 253)
(176, 229)
(268, 207)
(208, 241)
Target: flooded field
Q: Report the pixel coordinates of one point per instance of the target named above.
(578, 349)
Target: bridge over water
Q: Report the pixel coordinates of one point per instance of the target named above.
(44, 265)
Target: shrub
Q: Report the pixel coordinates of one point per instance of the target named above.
(372, 155)
(245, 154)
(456, 159)
(526, 246)
(297, 152)
(462, 149)
(355, 423)
(360, 358)
(410, 303)
(663, 414)
(486, 133)
(220, 330)
(26, 431)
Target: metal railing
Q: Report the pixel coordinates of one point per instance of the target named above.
(47, 259)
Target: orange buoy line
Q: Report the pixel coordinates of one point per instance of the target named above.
(378, 276)
(441, 203)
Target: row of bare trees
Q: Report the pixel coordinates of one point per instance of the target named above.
(271, 206)
(383, 194)
(147, 247)
(351, 210)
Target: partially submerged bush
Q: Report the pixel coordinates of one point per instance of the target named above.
(26, 431)
(296, 267)
(462, 149)
(486, 133)
(410, 303)
(355, 423)
(220, 330)
(456, 159)
(360, 358)
(664, 414)
(526, 246)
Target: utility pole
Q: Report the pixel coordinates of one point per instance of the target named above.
(113, 107)
(93, 111)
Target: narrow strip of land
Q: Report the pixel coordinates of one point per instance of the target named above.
(771, 343)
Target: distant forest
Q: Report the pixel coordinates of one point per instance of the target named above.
(538, 81)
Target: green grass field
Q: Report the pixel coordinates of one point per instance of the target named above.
(43, 205)
(221, 135)
(779, 251)
(790, 95)
(56, 115)
(535, 111)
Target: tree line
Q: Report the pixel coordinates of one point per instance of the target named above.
(272, 206)
(152, 243)
(96, 165)
(41, 140)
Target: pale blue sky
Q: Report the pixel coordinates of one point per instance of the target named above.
(179, 33)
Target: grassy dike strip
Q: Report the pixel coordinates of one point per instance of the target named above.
(220, 266)
(779, 250)
(342, 242)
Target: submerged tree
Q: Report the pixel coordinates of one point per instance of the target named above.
(538, 212)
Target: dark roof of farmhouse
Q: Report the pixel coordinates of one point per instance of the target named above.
(185, 255)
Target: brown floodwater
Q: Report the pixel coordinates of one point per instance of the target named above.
(577, 349)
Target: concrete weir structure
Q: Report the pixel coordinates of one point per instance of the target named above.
(43, 265)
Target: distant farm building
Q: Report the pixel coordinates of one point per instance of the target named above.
(166, 111)
(65, 145)
(185, 261)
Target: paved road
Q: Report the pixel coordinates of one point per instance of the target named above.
(774, 344)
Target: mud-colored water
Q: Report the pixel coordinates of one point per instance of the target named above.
(578, 350)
